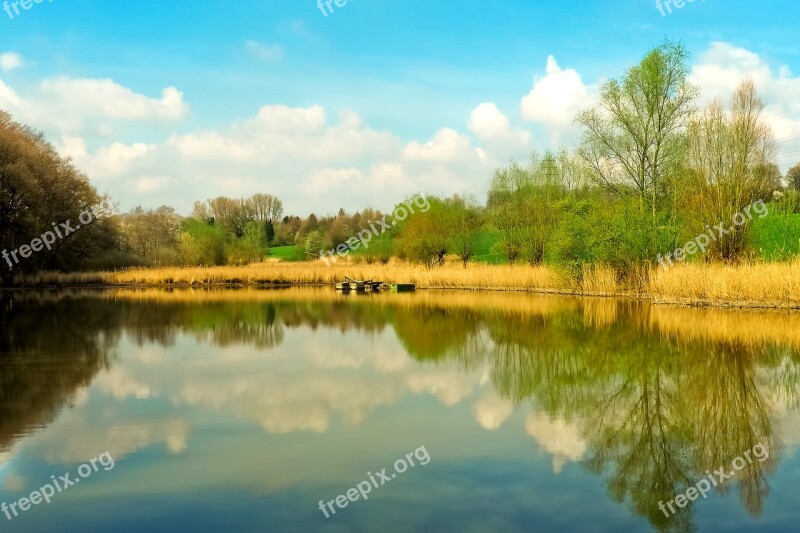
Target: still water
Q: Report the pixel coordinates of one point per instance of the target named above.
(253, 410)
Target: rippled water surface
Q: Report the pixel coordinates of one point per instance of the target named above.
(244, 409)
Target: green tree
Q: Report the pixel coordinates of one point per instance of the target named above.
(424, 236)
(39, 189)
(523, 205)
(634, 136)
(313, 245)
(464, 217)
(793, 177)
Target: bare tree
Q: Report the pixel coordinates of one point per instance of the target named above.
(730, 160)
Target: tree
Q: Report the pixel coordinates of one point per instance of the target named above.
(424, 236)
(730, 160)
(523, 203)
(313, 245)
(266, 208)
(465, 222)
(634, 138)
(38, 190)
(152, 235)
(793, 177)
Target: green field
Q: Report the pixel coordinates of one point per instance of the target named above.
(777, 236)
(286, 253)
(484, 253)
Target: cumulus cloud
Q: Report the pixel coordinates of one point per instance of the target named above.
(10, 61)
(108, 99)
(494, 129)
(446, 146)
(556, 99)
(70, 107)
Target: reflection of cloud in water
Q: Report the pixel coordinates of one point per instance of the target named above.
(299, 388)
(491, 410)
(558, 438)
(79, 435)
(120, 385)
(14, 483)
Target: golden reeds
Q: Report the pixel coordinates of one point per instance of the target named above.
(745, 285)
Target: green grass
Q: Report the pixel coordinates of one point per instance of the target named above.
(777, 236)
(286, 253)
(484, 252)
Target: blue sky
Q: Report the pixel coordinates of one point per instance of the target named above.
(376, 100)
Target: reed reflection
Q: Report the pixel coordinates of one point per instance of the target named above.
(658, 395)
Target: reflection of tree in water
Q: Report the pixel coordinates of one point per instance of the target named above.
(656, 414)
(432, 332)
(46, 356)
(244, 325)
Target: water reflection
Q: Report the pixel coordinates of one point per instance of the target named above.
(646, 398)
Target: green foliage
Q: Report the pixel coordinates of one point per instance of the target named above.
(205, 242)
(777, 236)
(793, 177)
(39, 188)
(313, 245)
(465, 220)
(378, 249)
(248, 248)
(424, 236)
(523, 205)
(620, 233)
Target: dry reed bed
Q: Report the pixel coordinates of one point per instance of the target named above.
(450, 276)
(748, 285)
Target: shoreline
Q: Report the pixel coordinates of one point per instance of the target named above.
(628, 294)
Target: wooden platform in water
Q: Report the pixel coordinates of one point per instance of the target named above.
(350, 285)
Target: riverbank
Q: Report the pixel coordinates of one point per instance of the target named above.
(768, 285)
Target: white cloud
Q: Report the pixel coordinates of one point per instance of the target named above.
(556, 99)
(10, 61)
(73, 107)
(264, 52)
(329, 179)
(108, 99)
(446, 146)
(494, 129)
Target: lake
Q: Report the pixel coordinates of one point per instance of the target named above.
(306, 410)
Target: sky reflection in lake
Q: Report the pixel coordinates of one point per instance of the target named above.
(244, 408)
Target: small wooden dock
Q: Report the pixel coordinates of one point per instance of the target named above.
(353, 285)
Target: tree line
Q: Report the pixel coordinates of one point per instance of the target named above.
(653, 169)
